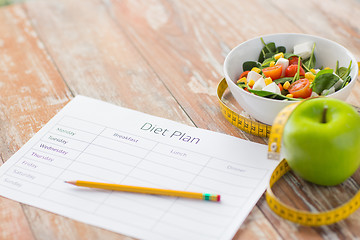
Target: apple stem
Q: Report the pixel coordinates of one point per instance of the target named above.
(323, 120)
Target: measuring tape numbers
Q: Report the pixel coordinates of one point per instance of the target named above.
(241, 122)
(274, 133)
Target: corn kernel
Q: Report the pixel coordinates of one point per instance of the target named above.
(286, 85)
(279, 55)
(310, 76)
(272, 63)
(243, 79)
(326, 68)
(268, 80)
(313, 71)
(255, 69)
(251, 83)
(289, 95)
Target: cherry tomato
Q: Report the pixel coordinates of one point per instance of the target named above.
(300, 88)
(244, 74)
(294, 60)
(291, 70)
(281, 87)
(273, 72)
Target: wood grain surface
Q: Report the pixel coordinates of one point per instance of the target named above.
(163, 58)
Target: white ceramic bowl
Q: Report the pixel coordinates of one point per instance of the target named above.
(263, 109)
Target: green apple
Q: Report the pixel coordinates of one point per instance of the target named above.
(321, 141)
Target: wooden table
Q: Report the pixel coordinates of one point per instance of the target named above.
(163, 58)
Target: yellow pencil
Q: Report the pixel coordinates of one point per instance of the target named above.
(146, 190)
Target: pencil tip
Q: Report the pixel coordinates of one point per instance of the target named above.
(70, 182)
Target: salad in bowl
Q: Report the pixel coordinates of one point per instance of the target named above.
(282, 75)
(267, 73)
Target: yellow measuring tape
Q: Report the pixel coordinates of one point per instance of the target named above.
(239, 121)
(274, 134)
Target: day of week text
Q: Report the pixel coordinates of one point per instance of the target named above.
(27, 175)
(47, 158)
(15, 183)
(29, 164)
(71, 133)
(53, 149)
(59, 140)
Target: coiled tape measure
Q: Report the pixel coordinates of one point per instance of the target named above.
(245, 124)
(274, 133)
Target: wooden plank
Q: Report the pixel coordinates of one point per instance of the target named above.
(233, 22)
(100, 61)
(13, 221)
(256, 227)
(334, 20)
(47, 226)
(31, 93)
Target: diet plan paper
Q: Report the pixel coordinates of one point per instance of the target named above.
(96, 141)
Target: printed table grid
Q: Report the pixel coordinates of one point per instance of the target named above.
(114, 155)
